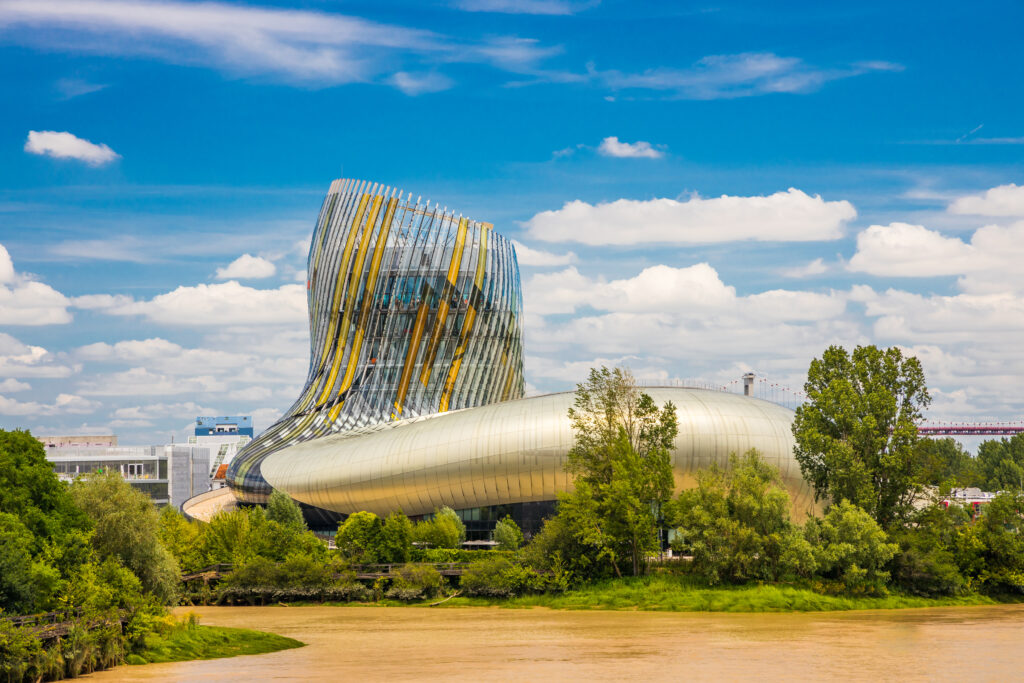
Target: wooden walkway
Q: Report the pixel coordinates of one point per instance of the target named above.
(215, 572)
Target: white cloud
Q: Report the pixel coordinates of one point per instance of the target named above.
(737, 75)
(1005, 200)
(75, 87)
(815, 267)
(11, 385)
(297, 46)
(611, 147)
(420, 83)
(783, 217)
(989, 263)
(247, 267)
(22, 360)
(63, 145)
(26, 302)
(551, 7)
(228, 303)
(527, 256)
(65, 404)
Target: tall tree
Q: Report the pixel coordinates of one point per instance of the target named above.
(856, 434)
(622, 465)
(285, 511)
(1001, 462)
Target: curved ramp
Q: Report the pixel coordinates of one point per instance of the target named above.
(206, 505)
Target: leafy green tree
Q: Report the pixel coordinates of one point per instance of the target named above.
(508, 534)
(622, 469)
(126, 528)
(285, 511)
(991, 551)
(926, 563)
(736, 525)
(857, 432)
(1001, 462)
(443, 530)
(944, 463)
(25, 581)
(31, 491)
(181, 537)
(237, 536)
(359, 538)
(396, 538)
(851, 547)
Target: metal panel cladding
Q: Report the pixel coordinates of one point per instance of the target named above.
(413, 310)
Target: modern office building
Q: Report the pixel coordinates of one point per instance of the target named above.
(414, 396)
(167, 474)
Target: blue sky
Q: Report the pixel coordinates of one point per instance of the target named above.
(697, 189)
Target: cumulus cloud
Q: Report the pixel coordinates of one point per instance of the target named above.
(228, 303)
(611, 147)
(989, 263)
(64, 145)
(1005, 200)
(65, 404)
(247, 267)
(11, 385)
(24, 301)
(24, 360)
(782, 217)
(527, 256)
(815, 267)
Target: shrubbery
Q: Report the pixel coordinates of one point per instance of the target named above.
(497, 576)
(415, 582)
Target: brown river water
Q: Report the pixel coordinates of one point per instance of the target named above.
(471, 644)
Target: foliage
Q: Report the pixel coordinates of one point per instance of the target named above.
(237, 536)
(857, 432)
(181, 538)
(944, 463)
(991, 551)
(557, 546)
(736, 525)
(1001, 463)
(126, 528)
(285, 511)
(415, 582)
(25, 581)
(188, 640)
(396, 538)
(359, 538)
(507, 534)
(498, 576)
(452, 554)
(851, 548)
(925, 564)
(622, 467)
(443, 530)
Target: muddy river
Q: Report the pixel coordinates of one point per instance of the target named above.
(472, 644)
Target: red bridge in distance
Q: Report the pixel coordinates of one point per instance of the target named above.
(972, 429)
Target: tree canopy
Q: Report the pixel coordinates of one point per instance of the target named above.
(857, 432)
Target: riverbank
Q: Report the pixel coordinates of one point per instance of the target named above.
(675, 594)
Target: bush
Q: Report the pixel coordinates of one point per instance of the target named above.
(438, 555)
(415, 582)
(498, 577)
(925, 564)
(359, 538)
(396, 538)
(507, 534)
(443, 530)
(851, 548)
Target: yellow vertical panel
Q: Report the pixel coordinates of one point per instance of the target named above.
(467, 323)
(444, 307)
(410, 357)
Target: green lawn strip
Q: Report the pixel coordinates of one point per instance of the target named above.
(669, 595)
(210, 642)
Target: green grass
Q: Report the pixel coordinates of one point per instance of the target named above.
(209, 642)
(670, 593)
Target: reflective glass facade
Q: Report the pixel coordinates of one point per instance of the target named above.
(414, 310)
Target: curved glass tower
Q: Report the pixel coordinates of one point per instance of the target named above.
(413, 310)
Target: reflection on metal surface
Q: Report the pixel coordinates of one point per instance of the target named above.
(513, 452)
